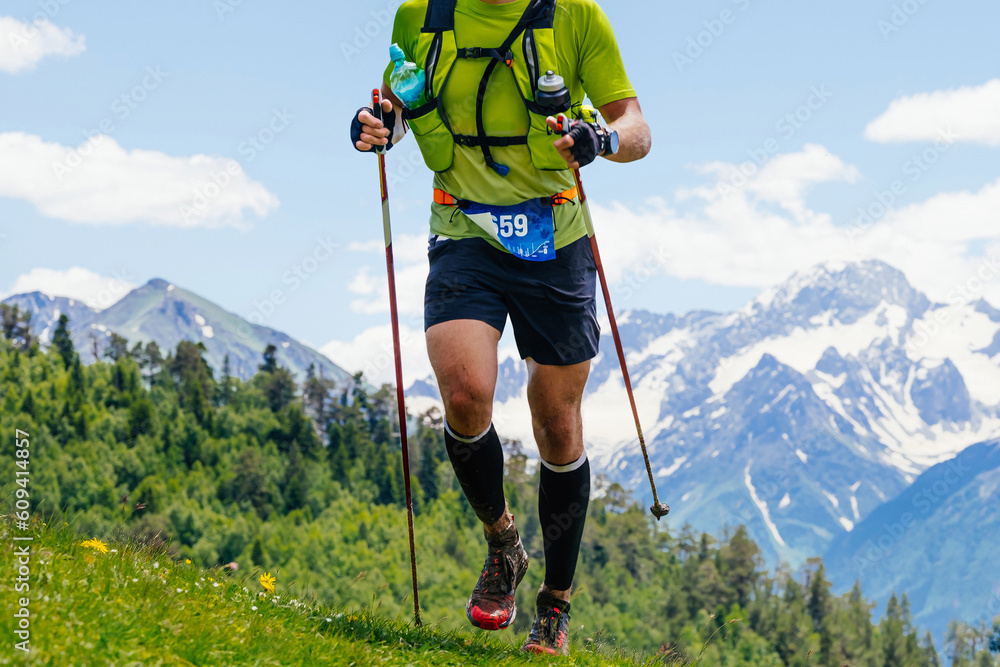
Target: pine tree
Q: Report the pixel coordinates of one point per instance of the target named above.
(62, 341)
(893, 640)
(270, 359)
(819, 595)
(152, 359)
(928, 653)
(225, 385)
(16, 326)
(739, 564)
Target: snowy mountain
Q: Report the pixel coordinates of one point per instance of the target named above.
(937, 541)
(798, 414)
(162, 312)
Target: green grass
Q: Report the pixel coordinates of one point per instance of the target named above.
(135, 605)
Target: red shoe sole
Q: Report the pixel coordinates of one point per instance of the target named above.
(490, 622)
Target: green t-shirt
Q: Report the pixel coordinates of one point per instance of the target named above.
(588, 60)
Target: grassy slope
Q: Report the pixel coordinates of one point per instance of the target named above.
(135, 606)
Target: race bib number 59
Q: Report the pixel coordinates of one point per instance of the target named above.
(525, 229)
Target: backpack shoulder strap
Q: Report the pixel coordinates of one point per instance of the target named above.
(440, 16)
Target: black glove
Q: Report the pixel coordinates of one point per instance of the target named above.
(388, 120)
(587, 141)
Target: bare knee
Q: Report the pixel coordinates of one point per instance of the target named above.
(558, 424)
(558, 433)
(468, 406)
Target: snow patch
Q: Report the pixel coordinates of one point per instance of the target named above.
(762, 506)
(854, 508)
(170, 288)
(802, 348)
(199, 319)
(285, 344)
(847, 524)
(832, 498)
(674, 467)
(207, 331)
(802, 455)
(785, 502)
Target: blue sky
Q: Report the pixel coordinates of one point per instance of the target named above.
(188, 90)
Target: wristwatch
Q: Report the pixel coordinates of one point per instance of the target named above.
(609, 141)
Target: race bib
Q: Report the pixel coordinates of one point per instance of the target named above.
(525, 229)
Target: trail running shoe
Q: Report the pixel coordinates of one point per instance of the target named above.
(550, 631)
(491, 606)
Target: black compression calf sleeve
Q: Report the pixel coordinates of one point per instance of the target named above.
(478, 464)
(563, 497)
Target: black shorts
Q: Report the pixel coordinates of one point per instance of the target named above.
(552, 305)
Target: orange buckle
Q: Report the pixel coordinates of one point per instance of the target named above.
(564, 197)
(442, 197)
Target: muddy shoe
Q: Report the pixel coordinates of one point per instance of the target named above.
(491, 606)
(550, 631)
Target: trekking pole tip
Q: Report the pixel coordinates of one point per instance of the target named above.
(659, 510)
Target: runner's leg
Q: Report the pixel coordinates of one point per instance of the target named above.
(463, 354)
(555, 394)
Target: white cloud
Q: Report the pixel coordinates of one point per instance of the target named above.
(371, 352)
(409, 253)
(23, 45)
(973, 114)
(785, 179)
(363, 283)
(733, 237)
(101, 183)
(91, 288)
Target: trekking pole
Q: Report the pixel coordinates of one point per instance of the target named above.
(377, 112)
(657, 509)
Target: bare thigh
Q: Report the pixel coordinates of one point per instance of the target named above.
(463, 354)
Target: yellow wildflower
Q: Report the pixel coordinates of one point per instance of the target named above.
(95, 544)
(187, 560)
(267, 582)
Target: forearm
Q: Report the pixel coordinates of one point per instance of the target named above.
(634, 138)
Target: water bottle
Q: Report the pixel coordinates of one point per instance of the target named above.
(553, 93)
(407, 80)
